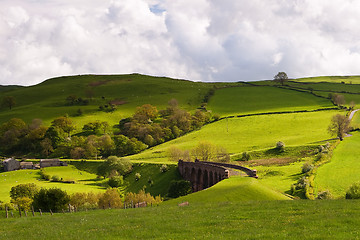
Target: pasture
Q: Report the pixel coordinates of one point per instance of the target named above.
(84, 181)
(250, 99)
(201, 220)
(332, 79)
(251, 134)
(343, 170)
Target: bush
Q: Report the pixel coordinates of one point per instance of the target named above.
(24, 190)
(164, 168)
(353, 192)
(116, 181)
(245, 156)
(53, 199)
(137, 176)
(44, 175)
(55, 178)
(307, 167)
(179, 188)
(324, 195)
(280, 146)
(110, 199)
(122, 165)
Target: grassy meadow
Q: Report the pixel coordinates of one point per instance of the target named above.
(343, 170)
(251, 133)
(251, 99)
(84, 181)
(216, 220)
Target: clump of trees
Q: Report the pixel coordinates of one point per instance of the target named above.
(179, 188)
(204, 151)
(147, 127)
(26, 196)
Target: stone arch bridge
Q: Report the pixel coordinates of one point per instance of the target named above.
(206, 174)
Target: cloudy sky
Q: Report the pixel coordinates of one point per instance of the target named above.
(207, 40)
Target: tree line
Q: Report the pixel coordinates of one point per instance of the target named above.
(146, 128)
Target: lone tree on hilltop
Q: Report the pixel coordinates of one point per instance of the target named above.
(281, 77)
(8, 101)
(339, 126)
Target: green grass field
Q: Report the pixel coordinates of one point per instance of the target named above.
(234, 189)
(249, 99)
(85, 182)
(221, 220)
(251, 133)
(343, 170)
(332, 79)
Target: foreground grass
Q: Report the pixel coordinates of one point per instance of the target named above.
(343, 170)
(222, 220)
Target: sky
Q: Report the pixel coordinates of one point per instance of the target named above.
(202, 40)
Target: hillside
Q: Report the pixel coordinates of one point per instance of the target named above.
(47, 100)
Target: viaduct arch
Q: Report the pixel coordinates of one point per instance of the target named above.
(206, 174)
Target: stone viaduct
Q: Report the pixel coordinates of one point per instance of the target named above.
(205, 174)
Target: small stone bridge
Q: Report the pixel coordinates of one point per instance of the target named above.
(205, 174)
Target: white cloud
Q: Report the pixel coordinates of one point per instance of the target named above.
(206, 40)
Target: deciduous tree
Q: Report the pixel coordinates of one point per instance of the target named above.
(339, 126)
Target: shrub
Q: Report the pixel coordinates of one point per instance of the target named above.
(122, 165)
(55, 178)
(164, 168)
(116, 181)
(24, 190)
(245, 156)
(307, 167)
(110, 199)
(133, 198)
(53, 199)
(179, 188)
(44, 175)
(324, 195)
(280, 146)
(353, 192)
(137, 176)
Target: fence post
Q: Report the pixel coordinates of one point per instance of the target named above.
(25, 213)
(33, 212)
(40, 212)
(12, 214)
(7, 213)
(69, 208)
(51, 212)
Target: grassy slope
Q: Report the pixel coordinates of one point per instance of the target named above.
(47, 100)
(234, 189)
(251, 133)
(240, 220)
(343, 170)
(279, 178)
(332, 79)
(249, 99)
(85, 182)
